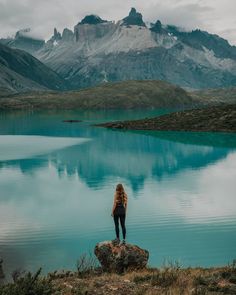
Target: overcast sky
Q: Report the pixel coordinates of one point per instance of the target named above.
(215, 16)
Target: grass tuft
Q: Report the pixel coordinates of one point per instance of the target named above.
(28, 284)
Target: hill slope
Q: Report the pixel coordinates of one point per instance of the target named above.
(216, 96)
(12, 82)
(21, 72)
(126, 95)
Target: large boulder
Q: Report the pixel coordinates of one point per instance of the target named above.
(117, 258)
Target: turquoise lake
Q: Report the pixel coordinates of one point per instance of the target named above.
(57, 182)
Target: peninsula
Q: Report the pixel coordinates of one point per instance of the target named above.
(221, 118)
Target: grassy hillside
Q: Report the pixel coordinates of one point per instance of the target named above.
(126, 95)
(119, 95)
(215, 96)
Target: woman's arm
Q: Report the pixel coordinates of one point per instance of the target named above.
(114, 206)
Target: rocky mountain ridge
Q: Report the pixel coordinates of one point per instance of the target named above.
(100, 51)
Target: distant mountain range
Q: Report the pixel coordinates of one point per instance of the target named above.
(100, 51)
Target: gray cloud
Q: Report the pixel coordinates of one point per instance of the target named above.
(215, 16)
(188, 15)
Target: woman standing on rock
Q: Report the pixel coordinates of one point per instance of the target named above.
(119, 211)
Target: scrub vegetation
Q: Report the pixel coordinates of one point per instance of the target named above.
(170, 279)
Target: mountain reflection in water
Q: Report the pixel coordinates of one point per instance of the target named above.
(55, 205)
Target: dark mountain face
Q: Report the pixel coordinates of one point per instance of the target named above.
(146, 66)
(134, 18)
(157, 28)
(21, 64)
(92, 20)
(199, 39)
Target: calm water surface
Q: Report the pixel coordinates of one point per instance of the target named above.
(57, 182)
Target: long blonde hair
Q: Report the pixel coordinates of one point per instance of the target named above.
(121, 196)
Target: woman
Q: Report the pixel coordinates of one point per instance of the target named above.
(119, 211)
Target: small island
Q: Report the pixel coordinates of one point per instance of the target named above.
(221, 118)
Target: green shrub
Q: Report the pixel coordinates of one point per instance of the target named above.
(79, 291)
(86, 264)
(167, 276)
(200, 281)
(29, 284)
(142, 278)
(199, 291)
(164, 278)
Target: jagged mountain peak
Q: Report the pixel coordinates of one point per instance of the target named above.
(134, 18)
(92, 19)
(157, 27)
(67, 35)
(56, 35)
(133, 12)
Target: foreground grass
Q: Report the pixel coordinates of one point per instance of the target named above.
(168, 280)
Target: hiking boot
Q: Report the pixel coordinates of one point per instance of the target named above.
(116, 241)
(123, 242)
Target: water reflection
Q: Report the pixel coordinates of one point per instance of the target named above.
(56, 205)
(134, 157)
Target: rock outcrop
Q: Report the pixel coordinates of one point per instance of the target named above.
(67, 35)
(134, 18)
(117, 258)
(92, 20)
(56, 35)
(157, 28)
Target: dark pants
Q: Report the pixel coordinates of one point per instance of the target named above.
(120, 215)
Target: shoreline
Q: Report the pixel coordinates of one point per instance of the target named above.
(220, 118)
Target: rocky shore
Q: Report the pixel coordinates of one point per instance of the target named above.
(220, 118)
